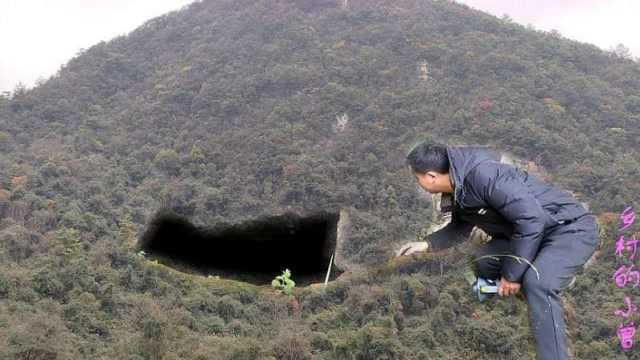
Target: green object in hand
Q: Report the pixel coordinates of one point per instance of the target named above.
(283, 282)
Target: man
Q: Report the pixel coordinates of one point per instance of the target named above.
(527, 219)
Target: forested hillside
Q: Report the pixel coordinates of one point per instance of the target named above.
(229, 110)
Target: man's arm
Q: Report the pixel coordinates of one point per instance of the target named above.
(455, 232)
(508, 195)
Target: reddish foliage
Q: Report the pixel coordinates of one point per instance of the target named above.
(485, 104)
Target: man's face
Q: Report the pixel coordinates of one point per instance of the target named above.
(428, 181)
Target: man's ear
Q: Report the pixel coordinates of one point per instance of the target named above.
(431, 175)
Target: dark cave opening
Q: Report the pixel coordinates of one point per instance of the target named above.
(255, 251)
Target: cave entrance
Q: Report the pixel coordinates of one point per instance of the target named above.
(254, 251)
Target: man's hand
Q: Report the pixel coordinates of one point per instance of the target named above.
(507, 287)
(413, 247)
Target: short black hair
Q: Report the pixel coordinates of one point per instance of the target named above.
(428, 156)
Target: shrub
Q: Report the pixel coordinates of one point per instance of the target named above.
(228, 307)
(212, 324)
(292, 346)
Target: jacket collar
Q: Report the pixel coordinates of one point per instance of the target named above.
(463, 159)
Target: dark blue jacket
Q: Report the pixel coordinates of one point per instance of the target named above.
(504, 201)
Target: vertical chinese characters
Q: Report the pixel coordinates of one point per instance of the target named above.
(627, 273)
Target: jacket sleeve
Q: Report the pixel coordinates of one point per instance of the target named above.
(455, 232)
(510, 196)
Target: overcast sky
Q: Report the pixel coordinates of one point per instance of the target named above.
(38, 36)
(604, 23)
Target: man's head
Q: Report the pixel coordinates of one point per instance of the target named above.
(429, 163)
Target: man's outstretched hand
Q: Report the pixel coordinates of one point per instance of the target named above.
(413, 247)
(508, 287)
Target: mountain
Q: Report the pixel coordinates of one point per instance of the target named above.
(239, 112)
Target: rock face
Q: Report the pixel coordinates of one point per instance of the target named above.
(343, 231)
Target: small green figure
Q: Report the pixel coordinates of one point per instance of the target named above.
(283, 282)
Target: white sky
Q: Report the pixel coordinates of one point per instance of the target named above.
(38, 36)
(604, 23)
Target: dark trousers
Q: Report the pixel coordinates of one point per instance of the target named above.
(564, 250)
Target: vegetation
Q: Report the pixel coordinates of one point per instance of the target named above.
(284, 282)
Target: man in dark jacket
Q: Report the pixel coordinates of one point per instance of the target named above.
(542, 234)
